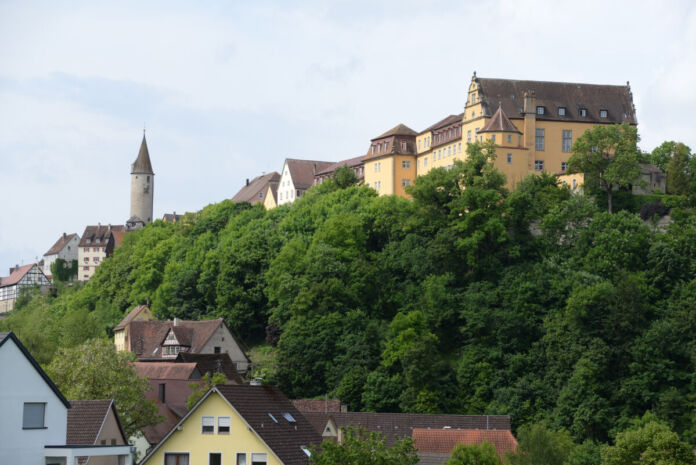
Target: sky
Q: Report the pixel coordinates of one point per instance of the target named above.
(228, 90)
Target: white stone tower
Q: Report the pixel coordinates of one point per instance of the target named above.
(142, 189)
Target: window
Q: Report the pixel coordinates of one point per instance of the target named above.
(216, 350)
(603, 113)
(176, 459)
(241, 459)
(207, 425)
(564, 165)
(468, 135)
(509, 138)
(378, 185)
(378, 167)
(306, 451)
(583, 112)
(403, 145)
(509, 158)
(259, 459)
(575, 183)
(538, 165)
(289, 417)
(406, 163)
(96, 259)
(425, 162)
(85, 268)
(223, 425)
(405, 182)
(215, 458)
(567, 140)
(419, 145)
(271, 415)
(473, 114)
(561, 111)
(373, 152)
(260, 195)
(539, 140)
(34, 415)
(540, 110)
(86, 259)
(493, 138)
(162, 392)
(460, 148)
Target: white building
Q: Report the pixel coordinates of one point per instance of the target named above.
(65, 248)
(34, 414)
(96, 244)
(298, 176)
(20, 277)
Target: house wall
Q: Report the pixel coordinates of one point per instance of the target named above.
(110, 434)
(286, 187)
(269, 202)
(19, 446)
(383, 174)
(228, 344)
(198, 445)
(88, 259)
(69, 253)
(401, 173)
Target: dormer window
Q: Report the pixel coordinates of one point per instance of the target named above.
(603, 113)
(540, 110)
(561, 111)
(583, 112)
(403, 145)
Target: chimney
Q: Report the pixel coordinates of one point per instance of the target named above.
(64, 235)
(176, 321)
(247, 181)
(529, 110)
(529, 102)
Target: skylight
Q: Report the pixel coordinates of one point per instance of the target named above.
(272, 417)
(289, 417)
(306, 451)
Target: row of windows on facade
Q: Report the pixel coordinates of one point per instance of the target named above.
(377, 148)
(289, 195)
(377, 185)
(566, 140)
(94, 249)
(215, 458)
(357, 170)
(95, 259)
(563, 111)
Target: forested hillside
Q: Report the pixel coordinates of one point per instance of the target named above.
(443, 303)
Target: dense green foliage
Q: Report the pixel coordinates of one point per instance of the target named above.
(446, 302)
(199, 389)
(474, 454)
(360, 447)
(63, 271)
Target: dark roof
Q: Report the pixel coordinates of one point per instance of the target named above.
(617, 100)
(85, 421)
(254, 403)
(250, 192)
(171, 217)
(171, 414)
(398, 130)
(442, 441)
(16, 275)
(129, 317)
(60, 244)
(303, 171)
(142, 163)
(99, 236)
(118, 237)
(397, 425)
(350, 163)
(451, 119)
(4, 337)
(167, 370)
(317, 405)
(212, 363)
(500, 122)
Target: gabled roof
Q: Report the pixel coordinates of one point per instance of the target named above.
(398, 425)
(167, 370)
(60, 244)
(350, 163)
(617, 100)
(118, 237)
(132, 314)
(142, 163)
(451, 119)
(4, 337)
(171, 217)
(442, 441)
(499, 122)
(250, 192)
(212, 363)
(16, 275)
(99, 236)
(86, 419)
(302, 171)
(398, 130)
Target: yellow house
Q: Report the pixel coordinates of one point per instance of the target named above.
(533, 124)
(238, 425)
(122, 330)
(390, 163)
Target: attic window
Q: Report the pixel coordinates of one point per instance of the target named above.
(603, 113)
(561, 111)
(289, 417)
(272, 417)
(583, 112)
(540, 110)
(403, 145)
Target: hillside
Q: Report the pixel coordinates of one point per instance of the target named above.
(443, 303)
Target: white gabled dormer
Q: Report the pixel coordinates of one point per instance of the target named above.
(170, 346)
(286, 186)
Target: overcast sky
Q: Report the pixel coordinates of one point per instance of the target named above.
(227, 90)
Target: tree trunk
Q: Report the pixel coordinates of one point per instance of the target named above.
(609, 206)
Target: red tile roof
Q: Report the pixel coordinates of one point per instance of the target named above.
(350, 163)
(60, 244)
(213, 363)
(85, 420)
(167, 370)
(442, 441)
(451, 119)
(118, 237)
(16, 275)
(303, 171)
(129, 317)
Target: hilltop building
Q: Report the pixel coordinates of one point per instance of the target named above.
(65, 248)
(20, 277)
(142, 189)
(355, 163)
(97, 243)
(256, 190)
(390, 163)
(297, 177)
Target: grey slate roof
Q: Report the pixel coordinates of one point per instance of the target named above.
(60, 244)
(142, 163)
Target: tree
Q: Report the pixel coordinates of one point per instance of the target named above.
(94, 370)
(198, 390)
(680, 170)
(345, 177)
(360, 447)
(541, 446)
(62, 270)
(608, 157)
(474, 454)
(650, 442)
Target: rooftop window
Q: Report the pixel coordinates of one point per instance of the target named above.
(289, 417)
(561, 111)
(603, 113)
(540, 110)
(272, 417)
(583, 112)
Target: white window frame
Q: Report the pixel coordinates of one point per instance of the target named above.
(222, 420)
(538, 165)
(211, 425)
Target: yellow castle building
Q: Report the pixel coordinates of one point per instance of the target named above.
(532, 123)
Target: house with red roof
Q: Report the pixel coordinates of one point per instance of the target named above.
(20, 277)
(435, 445)
(298, 176)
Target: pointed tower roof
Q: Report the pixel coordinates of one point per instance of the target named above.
(142, 163)
(500, 123)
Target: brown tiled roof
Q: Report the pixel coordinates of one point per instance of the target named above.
(167, 370)
(85, 420)
(213, 363)
(250, 192)
(16, 275)
(350, 163)
(302, 171)
(129, 317)
(398, 130)
(442, 441)
(317, 405)
(60, 244)
(499, 122)
(142, 163)
(451, 119)
(254, 403)
(171, 414)
(118, 237)
(397, 425)
(183, 334)
(171, 217)
(617, 100)
(98, 236)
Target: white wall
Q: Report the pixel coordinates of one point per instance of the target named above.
(223, 338)
(68, 254)
(286, 188)
(25, 384)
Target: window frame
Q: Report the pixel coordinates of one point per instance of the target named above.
(210, 454)
(538, 165)
(203, 425)
(229, 425)
(566, 142)
(509, 158)
(176, 454)
(43, 416)
(603, 113)
(582, 112)
(539, 139)
(562, 111)
(240, 454)
(540, 110)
